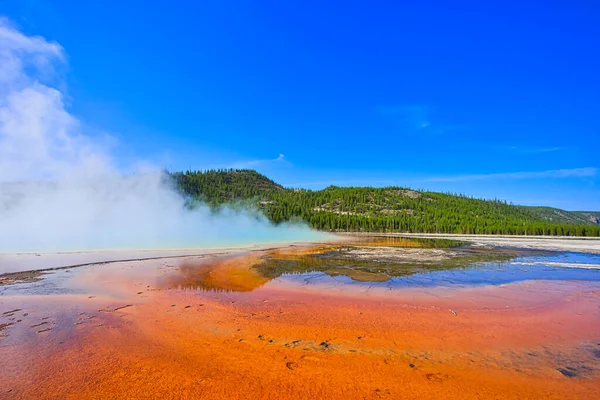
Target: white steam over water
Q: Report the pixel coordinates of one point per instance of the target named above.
(60, 190)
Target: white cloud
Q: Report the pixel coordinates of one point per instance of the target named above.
(17, 51)
(414, 117)
(547, 149)
(252, 164)
(60, 190)
(532, 150)
(417, 118)
(39, 139)
(555, 173)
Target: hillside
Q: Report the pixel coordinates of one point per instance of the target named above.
(219, 186)
(556, 215)
(593, 217)
(390, 209)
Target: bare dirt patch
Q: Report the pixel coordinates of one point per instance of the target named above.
(399, 255)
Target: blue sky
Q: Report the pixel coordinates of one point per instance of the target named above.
(491, 100)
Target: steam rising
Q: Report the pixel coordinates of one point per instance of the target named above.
(60, 190)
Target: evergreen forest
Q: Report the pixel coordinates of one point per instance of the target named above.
(387, 209)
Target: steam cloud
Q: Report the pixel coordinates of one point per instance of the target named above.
(60, 189)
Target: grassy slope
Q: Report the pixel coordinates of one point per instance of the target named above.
(592, 216)
(557, 215)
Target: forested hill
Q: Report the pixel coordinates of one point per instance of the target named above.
(219, 186)
(565, 217)
(390, 209)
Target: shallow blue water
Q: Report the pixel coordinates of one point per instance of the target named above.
(537, 267)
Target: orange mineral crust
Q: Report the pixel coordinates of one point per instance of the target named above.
(218, 329)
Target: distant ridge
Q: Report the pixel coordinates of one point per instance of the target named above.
(557, 215)
(389, 209)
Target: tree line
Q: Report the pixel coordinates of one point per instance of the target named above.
(367, 209)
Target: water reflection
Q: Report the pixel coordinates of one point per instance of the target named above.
(396, 241)
(228, 275)
(388, 262)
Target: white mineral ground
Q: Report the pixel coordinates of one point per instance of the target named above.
(20, 262)
(560, 243)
